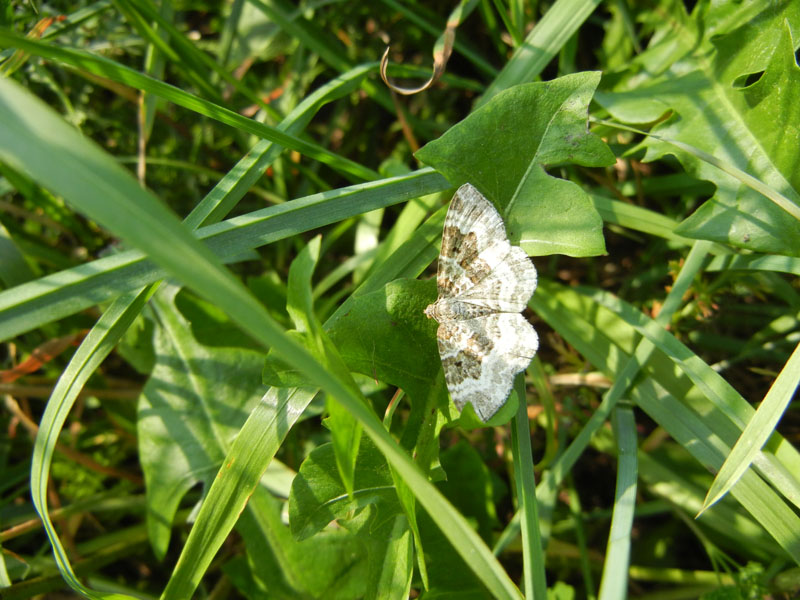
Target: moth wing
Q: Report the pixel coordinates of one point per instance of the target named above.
(474, 242)
(508, 287)
(481, 356)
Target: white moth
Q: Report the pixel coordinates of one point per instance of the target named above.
(484, 284)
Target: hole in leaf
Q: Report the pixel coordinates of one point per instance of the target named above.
(747, 80)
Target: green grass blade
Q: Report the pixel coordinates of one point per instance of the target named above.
(186, 61)
(310, 35)
(758, 262)
(251, 452)
(542, 44)
(671, 401)
(790, 205)
(93, 350)
(532, 554)
(758, 430)
(646, 221)
(55, 296)
(122, 74)
(184, 53)
(289, 18)
(777, 467)
(219, 201)
(624, 375)
(614, 583)
(113, 198)
(631, 369)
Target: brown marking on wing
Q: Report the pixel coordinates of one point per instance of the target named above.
(467, 363)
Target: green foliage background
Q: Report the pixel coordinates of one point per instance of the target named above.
(217, 236)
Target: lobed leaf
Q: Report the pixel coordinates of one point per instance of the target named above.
(501, 149)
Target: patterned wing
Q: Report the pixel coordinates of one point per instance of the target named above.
(508, 287)
(481, 356)
(473, 242)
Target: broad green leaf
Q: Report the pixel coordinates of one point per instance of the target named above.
(470, 486)
(560, 224)
(374, 336)
(502, 147)
(194, 403)
(386, 335)
(212, 327)
(319, 497)
(320, 494)
(394, 580)
(332, 564)
(346, 439)
(717, 111)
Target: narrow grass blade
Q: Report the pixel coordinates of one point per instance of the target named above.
(184, 54)
(644, 220)
(779, 466)
(251, 452)
(532, 554)
(624, 376)
(614, 583)
(542, 44)
(114, 199)
(185, 59)
(55, 296)
(122, 74)
(250, 168)
(757, 262)
(92, 351)
(758, 430)
(669, 398)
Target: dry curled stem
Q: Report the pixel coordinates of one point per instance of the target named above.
(441, 54)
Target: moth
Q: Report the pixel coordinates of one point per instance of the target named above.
(484, 283)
